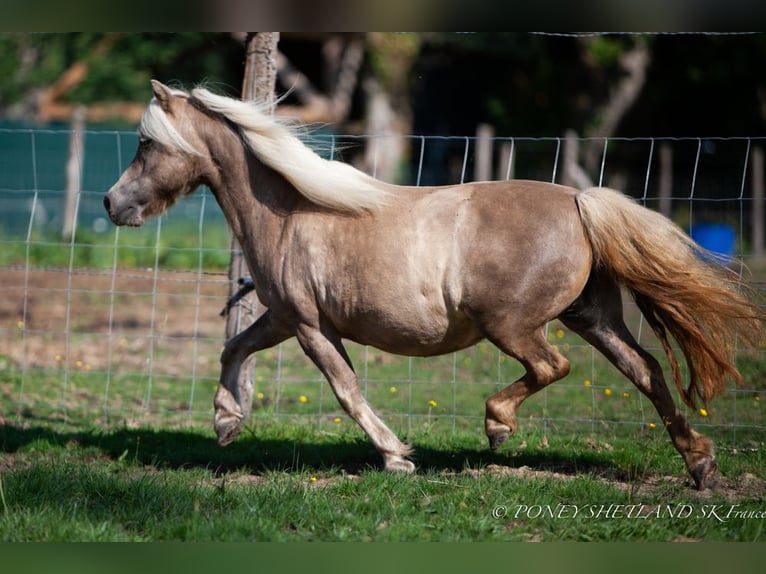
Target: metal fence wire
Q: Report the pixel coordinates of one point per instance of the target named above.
(122, 327)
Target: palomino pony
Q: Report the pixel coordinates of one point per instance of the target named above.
(337, 254)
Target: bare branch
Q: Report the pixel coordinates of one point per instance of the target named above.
(318, 107)
(48, 106)
(622, 96)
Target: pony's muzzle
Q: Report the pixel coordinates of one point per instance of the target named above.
(108, 205)
(122, 212)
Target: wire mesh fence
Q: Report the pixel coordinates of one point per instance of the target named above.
(122, 327)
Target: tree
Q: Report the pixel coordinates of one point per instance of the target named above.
(258, 84)
(109, 73)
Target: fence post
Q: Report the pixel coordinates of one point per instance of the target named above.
(574, 175)
(505, 167)
(757, 209)
(258, 84)
(666, 179)
(73, 171)
(483, 166)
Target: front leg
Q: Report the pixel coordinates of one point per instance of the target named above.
(328, 354)
(229, 404)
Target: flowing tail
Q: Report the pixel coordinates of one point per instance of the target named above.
(704, 305)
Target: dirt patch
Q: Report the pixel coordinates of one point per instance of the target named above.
(92, 320)
(745, 486)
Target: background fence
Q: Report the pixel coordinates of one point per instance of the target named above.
(121, 326)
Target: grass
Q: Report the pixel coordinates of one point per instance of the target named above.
(181, 247)
(121, 450)
(302, 471)
(306, 477)
(295, 483)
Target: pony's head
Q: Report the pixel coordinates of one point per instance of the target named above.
(169, 162)
(173, 159)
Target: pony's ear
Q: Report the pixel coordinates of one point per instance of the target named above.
(163, 94)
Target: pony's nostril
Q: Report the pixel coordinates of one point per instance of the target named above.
(107, 203)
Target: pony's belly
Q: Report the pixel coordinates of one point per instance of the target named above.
(415, 340)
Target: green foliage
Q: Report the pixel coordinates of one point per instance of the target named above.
(31, 61)
(525, 84)
(121, 70)
(179, 249)
(146, 485)
(604, 51)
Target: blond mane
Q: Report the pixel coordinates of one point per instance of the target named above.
(276, 143)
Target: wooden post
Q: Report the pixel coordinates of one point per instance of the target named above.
(505, 167)
(757, 207)
(574, 175)
(483, 165)
(666, 179)
(258, 84)
(73, 172)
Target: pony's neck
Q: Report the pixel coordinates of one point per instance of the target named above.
(250, 194)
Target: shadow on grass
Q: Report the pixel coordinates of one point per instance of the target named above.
(256, 454)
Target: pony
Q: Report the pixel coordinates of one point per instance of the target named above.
(335, 254)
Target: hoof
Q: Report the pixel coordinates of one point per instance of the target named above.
(498, 437)
(227, 428)
(498, 432)
(705, 474)
(399, 464)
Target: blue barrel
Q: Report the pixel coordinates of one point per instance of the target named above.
(718, 238)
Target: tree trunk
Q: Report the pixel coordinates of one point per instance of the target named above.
(73, 172)
(758, 195)
(258, 84)
(623, 95)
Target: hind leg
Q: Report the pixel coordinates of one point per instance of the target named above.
(597, 317)
(544, 365)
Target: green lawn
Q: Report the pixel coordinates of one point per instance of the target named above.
(293, 482)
